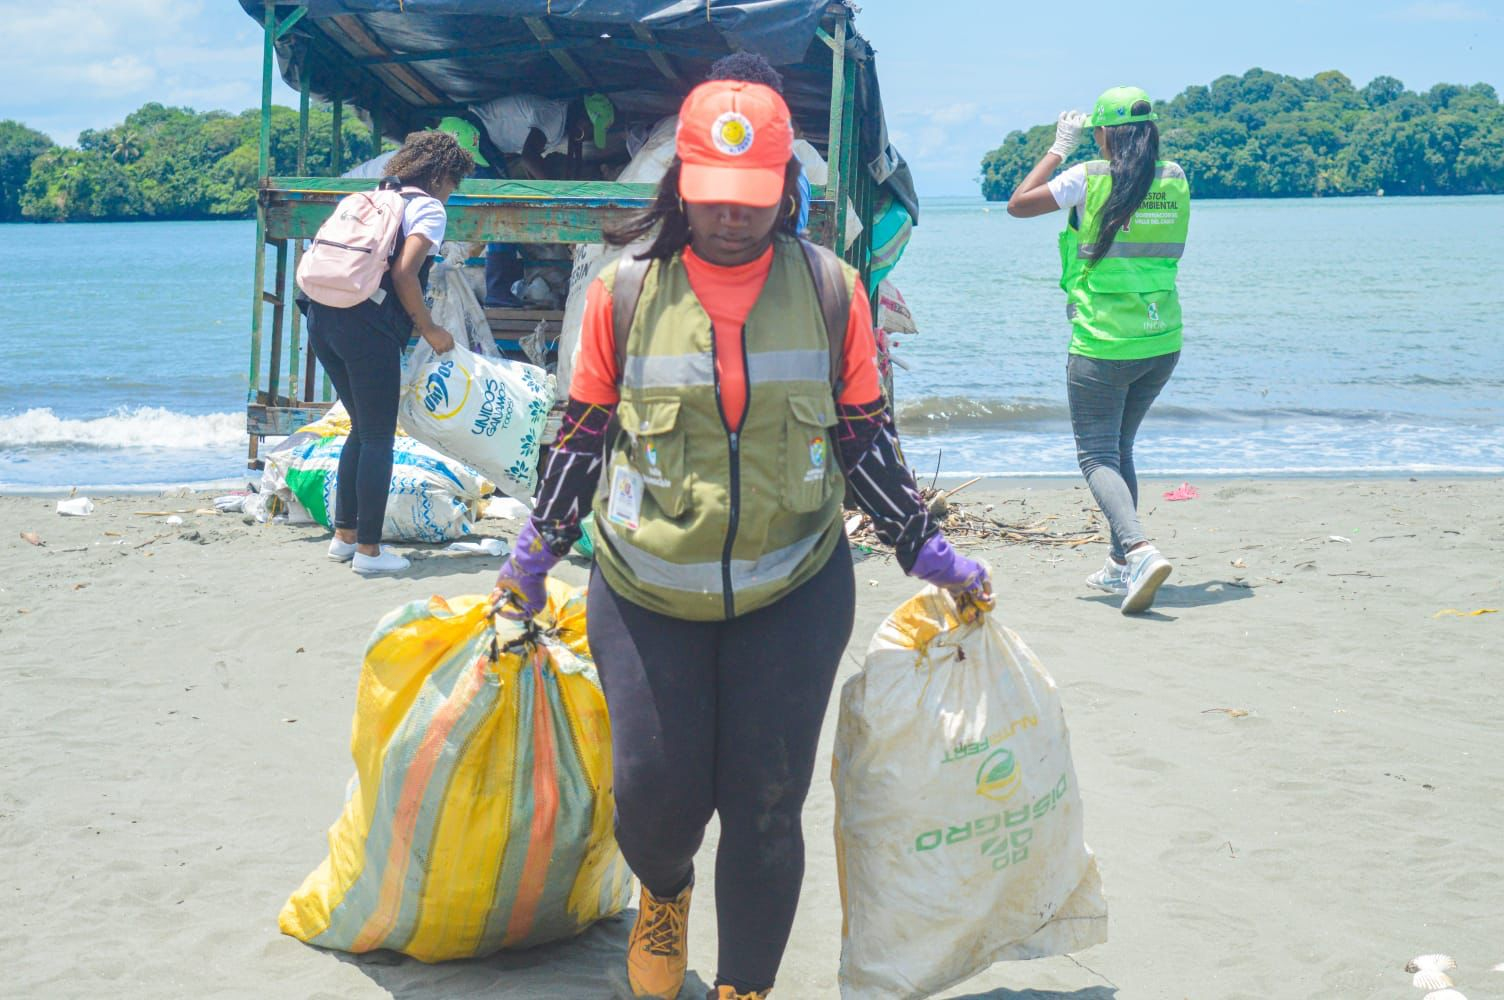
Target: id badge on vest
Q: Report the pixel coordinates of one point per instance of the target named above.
(626, 498)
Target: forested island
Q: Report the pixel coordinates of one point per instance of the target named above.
(161, 163)
(1267, 135)
(1259, 135)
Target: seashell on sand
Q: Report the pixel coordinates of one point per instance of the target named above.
(1444, 995)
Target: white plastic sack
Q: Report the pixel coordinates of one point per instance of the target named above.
(958, 817)
(648, 166)
(430, 498)
(817, 172)
(485, 412)
(455, 308)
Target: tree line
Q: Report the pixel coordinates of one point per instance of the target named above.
(161, 163)
(1267, 135)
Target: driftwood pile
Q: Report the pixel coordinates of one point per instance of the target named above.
(986, 522)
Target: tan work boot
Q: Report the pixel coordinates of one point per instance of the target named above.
(729, 993)
(658, 951)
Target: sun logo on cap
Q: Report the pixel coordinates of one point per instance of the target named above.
(732, 133)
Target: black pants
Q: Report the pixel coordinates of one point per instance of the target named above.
(365, 365)
(722, 717)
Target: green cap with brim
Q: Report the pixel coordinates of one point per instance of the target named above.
(1115, 107)
(467, 135)
(601, 112)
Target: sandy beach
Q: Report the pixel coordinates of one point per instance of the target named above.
(175, 708)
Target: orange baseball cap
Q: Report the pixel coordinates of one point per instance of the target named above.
(735, 141)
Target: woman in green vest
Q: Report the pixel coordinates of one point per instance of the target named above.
(724, 399)
(1124, 234)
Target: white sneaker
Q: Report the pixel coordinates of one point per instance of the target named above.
(341, 551)
(1147, 569)
(1112, 577)
(387, 562)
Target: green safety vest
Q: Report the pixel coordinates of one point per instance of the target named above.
(1125, 306)
(729, 521)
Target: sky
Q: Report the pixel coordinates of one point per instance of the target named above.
(956, 75)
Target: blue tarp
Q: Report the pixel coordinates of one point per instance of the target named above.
(412, 61)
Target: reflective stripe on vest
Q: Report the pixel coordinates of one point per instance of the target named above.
(1165, 171)
(705, 577)
(1120, 248)
(682, 370)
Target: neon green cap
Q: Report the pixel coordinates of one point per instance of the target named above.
(467, 135)
(602, 113)
(1115, 107)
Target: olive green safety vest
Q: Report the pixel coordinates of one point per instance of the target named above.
(729, 521)
(1125, 306)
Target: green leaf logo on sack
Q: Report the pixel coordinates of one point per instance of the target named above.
(998, 777)
(436, 392)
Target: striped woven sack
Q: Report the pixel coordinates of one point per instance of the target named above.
(480, 814)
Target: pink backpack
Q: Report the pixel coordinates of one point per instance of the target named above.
(353, 248)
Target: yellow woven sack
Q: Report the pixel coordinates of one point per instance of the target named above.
(480, 813)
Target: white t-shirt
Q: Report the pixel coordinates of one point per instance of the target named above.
(426, 217)
(508, 120)
(1069, 187)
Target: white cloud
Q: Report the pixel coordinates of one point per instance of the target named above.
(955, 114)
(1445, 11)
(120, 75)
(75, 64)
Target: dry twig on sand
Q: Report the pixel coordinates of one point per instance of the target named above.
(980, 522)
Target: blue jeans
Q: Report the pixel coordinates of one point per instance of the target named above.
(1109, 400)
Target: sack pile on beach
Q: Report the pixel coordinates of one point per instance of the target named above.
(480, 814)
(432, 498)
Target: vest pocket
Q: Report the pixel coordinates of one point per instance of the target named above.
(808, 453)
(655, 448)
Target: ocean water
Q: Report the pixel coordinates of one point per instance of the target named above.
(1326, 337)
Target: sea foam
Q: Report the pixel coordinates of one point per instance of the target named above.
(137, 427)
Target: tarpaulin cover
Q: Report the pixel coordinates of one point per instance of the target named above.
(412, 61)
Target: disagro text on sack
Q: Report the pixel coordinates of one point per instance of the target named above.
(1003, 836)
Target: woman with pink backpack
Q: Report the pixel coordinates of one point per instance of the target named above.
(358, 333)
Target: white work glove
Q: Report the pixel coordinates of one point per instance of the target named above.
(1068, 129)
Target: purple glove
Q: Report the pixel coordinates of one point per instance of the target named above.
(948, 569)
(520, 591)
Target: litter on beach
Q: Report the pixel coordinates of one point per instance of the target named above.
(75, 507)
(479, 547)
(1454, 613)
(506, 507)
(1185, 491)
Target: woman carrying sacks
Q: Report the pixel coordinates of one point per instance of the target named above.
(1120, 250)
(700, 419)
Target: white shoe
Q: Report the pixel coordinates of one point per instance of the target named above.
(1147, 569)
(341, 551)
(1112, 577)
(387, 562)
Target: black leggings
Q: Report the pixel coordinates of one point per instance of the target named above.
(365, 365)
(722, 717)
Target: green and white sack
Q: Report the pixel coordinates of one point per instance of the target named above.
(485, 412)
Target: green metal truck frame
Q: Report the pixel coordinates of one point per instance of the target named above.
(285, 391)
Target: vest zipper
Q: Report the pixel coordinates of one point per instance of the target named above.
(733, 441)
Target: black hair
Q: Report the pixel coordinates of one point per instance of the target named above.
(666, 216)
(1133, 150)
(748, 66)
(429, 158)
